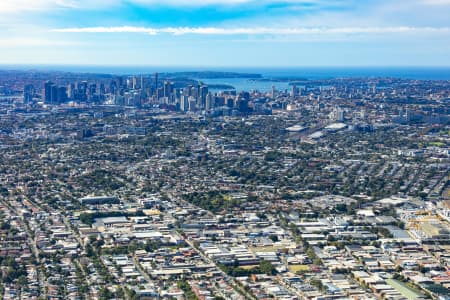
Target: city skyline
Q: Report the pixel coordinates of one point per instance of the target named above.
(235, 33)
(224, 150)
(181, 186)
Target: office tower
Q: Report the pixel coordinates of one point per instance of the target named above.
(82, 91)
(340, 115)
(242, 105)
(70, 91)
(54, 94)
(136, 99)
(159, 93)
(28, 93)
(156, 84)
(102, 89)
(337, 115)
(363, 114)
(83, 86)
(229, 102)
(126, 96)
(294, 91)
(120, 82)
(187, 90)
(48, 92)
(134, 83)
(192, 104)
(61, 96)
(273, 91)
(194, 92)
(113, 87)
(219, 101)
(167, 89)
(202, 95)
(142, 83)
(177, 93)
(409, 114)
(245, 95)
(184, 104)
(92, 91)
(209, 103)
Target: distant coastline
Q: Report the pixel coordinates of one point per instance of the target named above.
(263, 73)
(244, 79)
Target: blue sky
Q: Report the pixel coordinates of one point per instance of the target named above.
(232, 33)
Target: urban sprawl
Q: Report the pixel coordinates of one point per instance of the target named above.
(161, 186)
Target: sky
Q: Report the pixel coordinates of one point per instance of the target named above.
(226, 33)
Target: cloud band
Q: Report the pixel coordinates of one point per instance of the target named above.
(254, 30)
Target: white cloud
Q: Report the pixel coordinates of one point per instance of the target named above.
(229, 2)
(32, 42)
(256, 30)
(16, 6)
(11, 6)
(23, 5)
(191, 2)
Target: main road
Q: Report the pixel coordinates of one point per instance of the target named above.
(229, 279)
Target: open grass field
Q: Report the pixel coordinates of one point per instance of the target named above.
(268, 248)
(263, 249)
(249, 267)
(298, 268)
(404, 289)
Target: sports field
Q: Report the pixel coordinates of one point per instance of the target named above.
(404, 289)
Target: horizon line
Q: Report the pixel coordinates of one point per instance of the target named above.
(218, 66)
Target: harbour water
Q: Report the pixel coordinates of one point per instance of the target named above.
(277, 74)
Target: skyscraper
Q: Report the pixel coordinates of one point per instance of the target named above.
(156, 84)
(113, 87)
(192, 104)
(92, 91)
(71, 91)
(194, 92)
(48, 92)
(28, 93)
(54, 94)
(168, 87)
(102, 89)
(294, 91)
(82, 90)
(61, 95)
(202, 96)
(337, 115)
(184, 103)
(209, 103)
